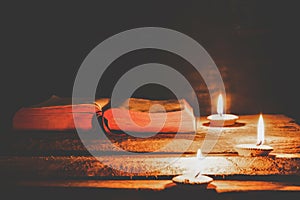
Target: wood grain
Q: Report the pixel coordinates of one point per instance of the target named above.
(57, 156)
(221, 186)
(282, 133)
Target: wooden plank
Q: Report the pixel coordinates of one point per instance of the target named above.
(155, 165)
(282, 133)
(222, 186)
(156, 185)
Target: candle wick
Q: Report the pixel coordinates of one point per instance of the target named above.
(197, 174)
(259, 143)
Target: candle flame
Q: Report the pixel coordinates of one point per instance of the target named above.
(199, 154)
(260, 131)
(220, 105)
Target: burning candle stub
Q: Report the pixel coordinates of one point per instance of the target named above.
(193, 179)
(221, 119)
(258, 149)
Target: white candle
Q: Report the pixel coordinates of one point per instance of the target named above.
(220, 119)
(258, 149)
(194, 179)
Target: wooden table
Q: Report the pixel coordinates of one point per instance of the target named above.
(59, 160)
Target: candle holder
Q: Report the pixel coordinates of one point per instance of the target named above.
(220, 119)
(192, 180)
(253, 150)
(258, 149)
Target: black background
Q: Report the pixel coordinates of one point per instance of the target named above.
(44, 43)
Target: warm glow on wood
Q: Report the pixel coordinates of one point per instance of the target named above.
(220, 105)
(260, 131)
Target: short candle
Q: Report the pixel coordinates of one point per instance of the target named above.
(221, 119)
(258, 149)
(193, 179)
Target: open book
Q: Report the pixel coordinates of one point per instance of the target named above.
(56, 114)
(133, 115)
(143, 115)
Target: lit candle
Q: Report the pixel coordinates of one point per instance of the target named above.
(221, 119)
(258, 149)
(194, 179)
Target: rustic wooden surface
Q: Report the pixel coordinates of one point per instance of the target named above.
(220, 186)
(282, 133)
(45, 156)
(132, 166)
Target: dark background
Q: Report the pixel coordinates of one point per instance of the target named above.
(255, 44)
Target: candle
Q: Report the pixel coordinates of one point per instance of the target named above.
(258, 149)
(221, 119)
(194, 179)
